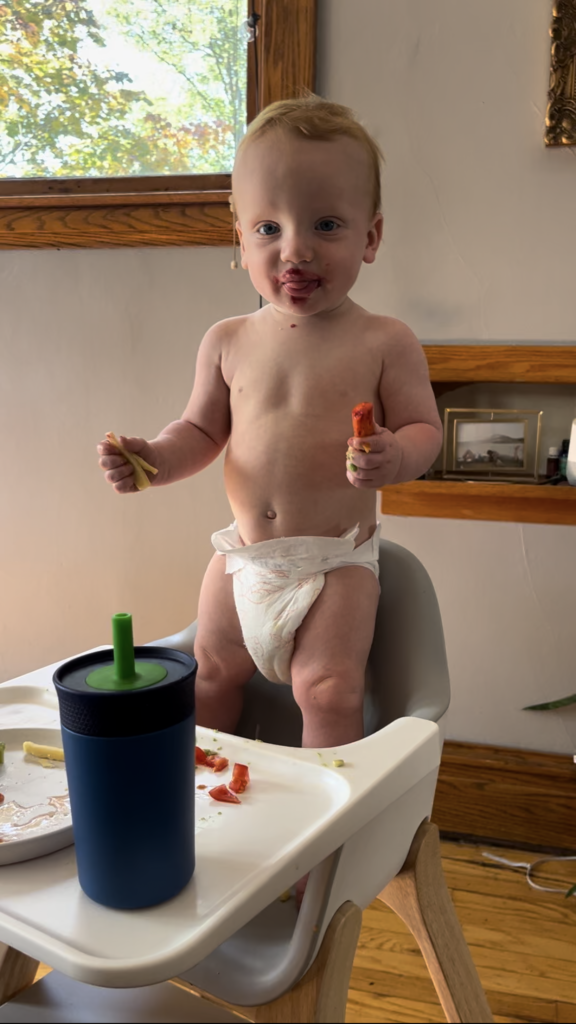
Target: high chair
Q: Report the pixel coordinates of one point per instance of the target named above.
(285, 966)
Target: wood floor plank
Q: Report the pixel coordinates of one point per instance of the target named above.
(522, 941)
(371, 987)
(500, 923)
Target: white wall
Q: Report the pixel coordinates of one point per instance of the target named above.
(479, 247)
(94, 341)
(480, 223)
(480, 215)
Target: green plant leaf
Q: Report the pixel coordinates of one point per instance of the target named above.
(571, 891)
(551, 705)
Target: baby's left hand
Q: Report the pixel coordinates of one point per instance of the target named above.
(378, 467)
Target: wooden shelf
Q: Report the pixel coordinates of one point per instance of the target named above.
(525, 364)
(455, 499)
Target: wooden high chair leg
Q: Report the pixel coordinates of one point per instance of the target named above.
(17, 972)
(320, 997)
(419, 895)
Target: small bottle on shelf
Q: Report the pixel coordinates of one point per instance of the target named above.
(571, 460)
(552, 462)
(563, 459)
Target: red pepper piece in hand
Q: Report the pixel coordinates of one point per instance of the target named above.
(223, 794)
(217, 764)
(240, 778)
(200, 758)
(363, 419)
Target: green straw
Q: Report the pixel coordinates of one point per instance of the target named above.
(125, 673)
(123, 641)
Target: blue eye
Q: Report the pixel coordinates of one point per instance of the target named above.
(327, 225)
(268, 229)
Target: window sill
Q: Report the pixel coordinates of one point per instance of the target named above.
(107, 222)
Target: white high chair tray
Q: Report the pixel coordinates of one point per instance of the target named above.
(297, 810)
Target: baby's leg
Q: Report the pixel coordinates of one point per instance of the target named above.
(330, 655)
(224, 665)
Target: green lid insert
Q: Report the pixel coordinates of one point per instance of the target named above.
(125, 673)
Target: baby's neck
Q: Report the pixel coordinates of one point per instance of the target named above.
(314, 320)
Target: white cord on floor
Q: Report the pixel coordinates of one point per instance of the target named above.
(530, 867)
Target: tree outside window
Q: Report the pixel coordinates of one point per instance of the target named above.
(121, 87)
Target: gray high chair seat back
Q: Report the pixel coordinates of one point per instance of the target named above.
(407, 675)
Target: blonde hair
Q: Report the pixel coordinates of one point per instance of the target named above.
(319, 120)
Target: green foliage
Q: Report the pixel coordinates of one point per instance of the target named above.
(552, 705)
(203, 42)
(61, 114)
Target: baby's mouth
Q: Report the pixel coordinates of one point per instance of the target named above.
(299, 284)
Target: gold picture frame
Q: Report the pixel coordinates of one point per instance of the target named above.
(491, 444)
(561, 111)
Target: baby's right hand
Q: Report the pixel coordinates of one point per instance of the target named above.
(120, 473)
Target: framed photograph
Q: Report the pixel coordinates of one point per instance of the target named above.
(500, 444)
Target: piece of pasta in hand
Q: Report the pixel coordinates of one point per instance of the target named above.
(141, 468)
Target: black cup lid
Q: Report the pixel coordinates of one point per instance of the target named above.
(112, 713)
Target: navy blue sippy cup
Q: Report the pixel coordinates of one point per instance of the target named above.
(128, 733)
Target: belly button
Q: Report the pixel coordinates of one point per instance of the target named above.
(271, 514)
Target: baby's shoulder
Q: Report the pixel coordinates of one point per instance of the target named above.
(225, 331)
(390, 335)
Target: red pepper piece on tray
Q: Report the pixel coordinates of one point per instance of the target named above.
(363, 419)
(217, 764)
(240, 778)
(223, 794)
(200, 758)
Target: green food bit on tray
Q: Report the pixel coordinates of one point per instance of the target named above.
(2, 749)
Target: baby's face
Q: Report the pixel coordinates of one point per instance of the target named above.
(305, 219)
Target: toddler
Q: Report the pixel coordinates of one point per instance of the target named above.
(292, 588)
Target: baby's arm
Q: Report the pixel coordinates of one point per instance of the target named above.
(189, 444)
(410, 410)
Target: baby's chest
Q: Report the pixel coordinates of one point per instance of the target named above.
(307, 385)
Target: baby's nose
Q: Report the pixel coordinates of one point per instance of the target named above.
(297, 248)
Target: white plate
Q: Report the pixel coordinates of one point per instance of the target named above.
(35, 814)
(22, 705)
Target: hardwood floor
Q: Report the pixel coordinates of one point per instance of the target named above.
(523, 943)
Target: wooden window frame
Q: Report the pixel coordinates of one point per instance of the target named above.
(127, 212)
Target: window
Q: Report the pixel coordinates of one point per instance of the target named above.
(119, 119)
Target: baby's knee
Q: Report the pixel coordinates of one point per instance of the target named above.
(337, 692)
(224, 670)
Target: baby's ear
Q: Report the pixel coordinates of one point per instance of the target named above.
(374, 238)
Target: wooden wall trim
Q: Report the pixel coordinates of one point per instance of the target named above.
(466, 364)
(111, 226)
(479, 500)
(493, 794)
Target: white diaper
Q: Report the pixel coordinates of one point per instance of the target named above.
(276, 583)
